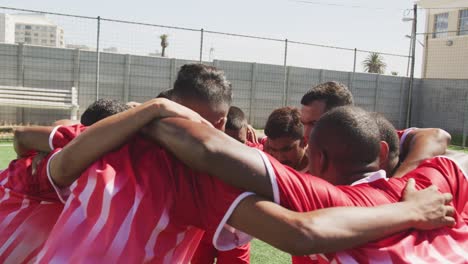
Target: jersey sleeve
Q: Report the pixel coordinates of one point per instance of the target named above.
(31, 178)
(302, 192)
(62, 135)
(207, 203)
(448, 177)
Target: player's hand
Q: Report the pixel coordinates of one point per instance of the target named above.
(429, 207)
(251, 135)
(169, 108)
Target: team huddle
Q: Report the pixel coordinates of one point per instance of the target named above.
(183, 178)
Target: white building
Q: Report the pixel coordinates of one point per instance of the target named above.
(33, 29)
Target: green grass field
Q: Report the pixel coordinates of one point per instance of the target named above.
(261, 252)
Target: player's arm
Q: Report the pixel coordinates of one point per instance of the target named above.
(209, 150)
(339, 228)
(109, 134)
(31, 138)
(419, 145)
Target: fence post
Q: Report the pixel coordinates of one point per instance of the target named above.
(355, 57)
(400, 105)
(76, 68)
(465, 116)
(201, 45)
(320, 76)
(285, 83)
(98, 55)
(377, 80)
(413, 55)
(172, 73)
(20, 72)
(20, 81)
(253, 85)
(126, 88)
(350, 81)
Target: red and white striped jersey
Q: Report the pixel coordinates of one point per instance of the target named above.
(29, 208)
(139, 204)
(446, 245)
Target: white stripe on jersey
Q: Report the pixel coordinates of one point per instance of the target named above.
(170, 254)
(77, 217)
(6, 196)
(5, 181)
(104, 215)
(12, 215)
(122, 236)
(151, 243)
(345, 258)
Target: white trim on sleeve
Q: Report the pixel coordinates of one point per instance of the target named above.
(226, 237)
(405, 134)
(62, 193)
(51, 137)
(272, 175)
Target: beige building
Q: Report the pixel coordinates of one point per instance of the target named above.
(33, 29)
(446, 39)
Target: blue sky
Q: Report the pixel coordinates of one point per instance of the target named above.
(377, 26)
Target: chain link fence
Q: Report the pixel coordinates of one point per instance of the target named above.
(125, 60)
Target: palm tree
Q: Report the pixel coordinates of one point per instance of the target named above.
(374, 63)
(164, 44)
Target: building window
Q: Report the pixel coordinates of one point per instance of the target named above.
(18, 26)
(27, 40)
(43, 41)
(36, 35)
(27, 27)
(440, 25)
(52, 35)
(27, 33)
(463, 22)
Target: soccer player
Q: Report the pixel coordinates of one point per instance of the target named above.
(416, 144)
(236, 125)
(305, 194)
(101, 109)
(152, 199)
(29, 206)
(150, 229)
(285, 138)
(206, 253)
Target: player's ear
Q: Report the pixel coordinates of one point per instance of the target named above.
(324, 162)
(383, 154)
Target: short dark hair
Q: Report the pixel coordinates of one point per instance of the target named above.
(333, 93)
(388, 134)
(165, 94)
(101, 109)
(284, 122)
(349, 134)
(203, 83)
(235, 119)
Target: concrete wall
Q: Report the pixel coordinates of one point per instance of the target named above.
(257, 88)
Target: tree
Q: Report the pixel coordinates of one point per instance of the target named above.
(374, 63)
(164, 43)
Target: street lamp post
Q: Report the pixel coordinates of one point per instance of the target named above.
(412, 57)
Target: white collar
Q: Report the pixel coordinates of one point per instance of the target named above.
(380, 174)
